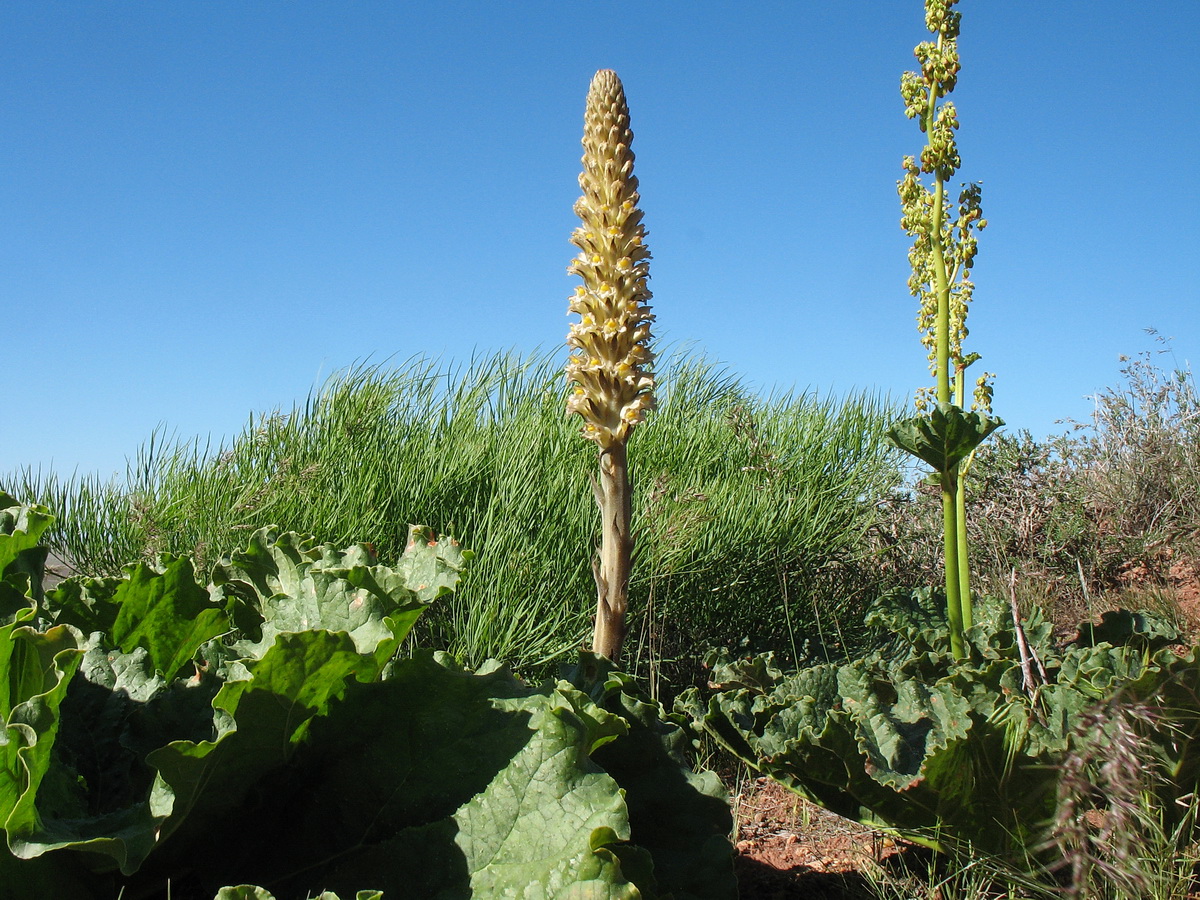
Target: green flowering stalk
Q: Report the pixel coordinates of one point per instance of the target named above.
(942, 255)
(610, 365)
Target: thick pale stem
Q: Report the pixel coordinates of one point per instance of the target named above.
(616, 551)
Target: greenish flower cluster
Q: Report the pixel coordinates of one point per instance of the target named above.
(944, 241)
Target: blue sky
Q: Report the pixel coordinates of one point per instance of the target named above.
(208, 207)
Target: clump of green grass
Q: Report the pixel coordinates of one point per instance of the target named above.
(748, 516)
(965, 877)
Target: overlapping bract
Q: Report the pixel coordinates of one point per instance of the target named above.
(611, 367)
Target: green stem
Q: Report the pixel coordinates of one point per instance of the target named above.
(960, 505)
(954, 607)
(951, 517)
(963, 560)
(941, 288)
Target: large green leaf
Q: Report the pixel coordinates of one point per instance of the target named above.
(166, 613)
(1123, 627)
(126, 704)
(899, 733)
(21, 530)
(680, 817)
(60, 877)
(35, 671)
(548, 825)
(944, 436)
(295, 585)
(941, 749)
(795, 730)
(90, 604)
(120, 719)
(260, 724)
(300, 754)
(22, 558)
(250, 892)
(95, 796)
(243, 892)
(435, 783)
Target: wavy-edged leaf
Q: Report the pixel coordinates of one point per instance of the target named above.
(1120, 627)
(166, 613)
(117, 709)
(435, 783)
(35, 672)
(945, 750)
(260, 724)
(89, 604)
(680, 817)
(243, 892)
(22, 558)
(250, 892)
(296, 585)
(899, 734)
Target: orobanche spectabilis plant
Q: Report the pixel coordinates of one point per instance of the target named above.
(610, 366)
(943, 433)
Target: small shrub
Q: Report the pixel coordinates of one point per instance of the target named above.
(1080, 517)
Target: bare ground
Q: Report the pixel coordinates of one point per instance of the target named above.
(789, 849)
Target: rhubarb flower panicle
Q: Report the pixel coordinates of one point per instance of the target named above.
(611, 363)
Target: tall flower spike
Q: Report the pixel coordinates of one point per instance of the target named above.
(942, 255)
(611, 362)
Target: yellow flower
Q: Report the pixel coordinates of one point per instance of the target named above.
(614, 384)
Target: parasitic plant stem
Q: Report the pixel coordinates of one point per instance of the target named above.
(610, 364)
(616, 552)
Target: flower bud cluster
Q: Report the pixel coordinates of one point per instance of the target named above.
(970, 218)
(916, 97)
(940, 155)
(982, 399)
(941, 18)
(958, 246)
(939, 63)
(937, 79)
(611, 366)
(917, 203)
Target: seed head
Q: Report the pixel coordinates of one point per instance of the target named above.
(611, 366)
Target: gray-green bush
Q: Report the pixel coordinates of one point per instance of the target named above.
(1078, 514)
